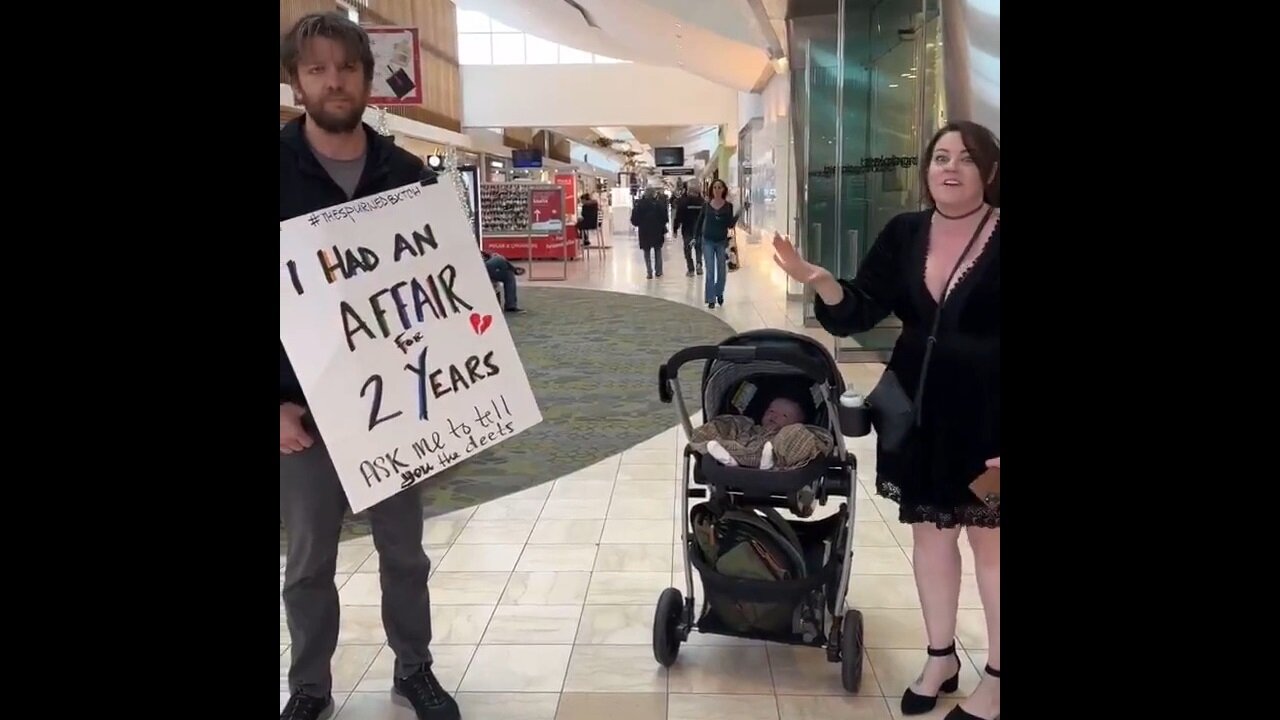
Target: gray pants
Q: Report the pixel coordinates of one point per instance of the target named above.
(312, 505)
(649, 264)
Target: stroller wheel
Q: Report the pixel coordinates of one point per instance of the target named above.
(666, 627)
(851, 649)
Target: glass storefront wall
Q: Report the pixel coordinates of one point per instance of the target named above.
(773, 191)
(747, 199)
(866, 99)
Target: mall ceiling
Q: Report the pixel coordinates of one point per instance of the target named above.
(724, 41)
(729, 42)
(641, 138)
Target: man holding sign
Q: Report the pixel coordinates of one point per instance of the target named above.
(329, 157)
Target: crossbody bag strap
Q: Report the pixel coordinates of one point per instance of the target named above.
(937, 316)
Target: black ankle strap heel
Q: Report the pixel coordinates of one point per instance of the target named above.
(959, 713)
(915, 704)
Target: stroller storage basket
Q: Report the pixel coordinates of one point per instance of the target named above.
(809, 596)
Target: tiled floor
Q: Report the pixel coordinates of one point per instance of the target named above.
(542, 602)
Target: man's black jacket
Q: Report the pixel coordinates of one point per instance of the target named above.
(688, 210)
(306, 187)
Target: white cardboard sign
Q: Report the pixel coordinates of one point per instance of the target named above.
(392, 325)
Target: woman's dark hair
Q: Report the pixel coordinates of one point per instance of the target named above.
(983, 147)
(721, 183)
(333, 26)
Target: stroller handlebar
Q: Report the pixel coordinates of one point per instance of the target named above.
(669, 373)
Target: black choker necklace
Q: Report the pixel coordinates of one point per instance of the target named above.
(971, 213)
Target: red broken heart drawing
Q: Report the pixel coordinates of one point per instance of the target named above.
(480, 323)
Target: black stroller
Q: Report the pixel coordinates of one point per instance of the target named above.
(805, 606)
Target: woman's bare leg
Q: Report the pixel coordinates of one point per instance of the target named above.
(936, 559)
(985, 701)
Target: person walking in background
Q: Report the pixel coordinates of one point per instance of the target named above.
(650, 218)
(713, 225)
(328, 156)
(685, 225)
(938, 271)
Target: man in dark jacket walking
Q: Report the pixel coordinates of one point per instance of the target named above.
(328, 157)
(650, 218)
(688, 209)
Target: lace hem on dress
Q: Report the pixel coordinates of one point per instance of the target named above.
(975, 515)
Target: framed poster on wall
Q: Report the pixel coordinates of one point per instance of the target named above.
(397, 66)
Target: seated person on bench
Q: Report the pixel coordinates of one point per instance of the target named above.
(780, 442)
(501, 270)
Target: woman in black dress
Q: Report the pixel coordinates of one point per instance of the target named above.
(949, 258)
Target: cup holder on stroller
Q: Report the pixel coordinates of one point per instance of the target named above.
(855, 415)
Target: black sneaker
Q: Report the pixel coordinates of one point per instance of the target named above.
(699, 269)
(427, 697)
(305, 707)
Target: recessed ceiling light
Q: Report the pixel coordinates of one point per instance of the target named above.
(893, 85)
(906, 74)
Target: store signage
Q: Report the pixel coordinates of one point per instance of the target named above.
(547, 208)
(880, 164)
(677, 172)
(569, 184)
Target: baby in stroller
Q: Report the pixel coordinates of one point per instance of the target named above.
(780, 441)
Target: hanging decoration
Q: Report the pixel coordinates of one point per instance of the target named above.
(451, 167)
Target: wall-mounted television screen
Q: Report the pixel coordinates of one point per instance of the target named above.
(668, 156)
(526, 158)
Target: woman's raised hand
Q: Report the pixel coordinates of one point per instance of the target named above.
(800, 270)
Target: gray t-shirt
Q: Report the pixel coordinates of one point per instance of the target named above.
(344, 172)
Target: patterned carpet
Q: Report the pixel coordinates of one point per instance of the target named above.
(593, 358)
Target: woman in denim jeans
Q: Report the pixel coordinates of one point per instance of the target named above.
(714, 224)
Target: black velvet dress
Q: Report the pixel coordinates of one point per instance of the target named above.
(960, 421)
